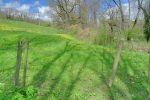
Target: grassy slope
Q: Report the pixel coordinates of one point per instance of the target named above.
(64, 68)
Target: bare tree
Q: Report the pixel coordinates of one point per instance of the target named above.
(63, 9)
(83, 13)
(129, 2)
(112, 17)
(115, 65)
(117, 57)
(146, 12)
(93, 8)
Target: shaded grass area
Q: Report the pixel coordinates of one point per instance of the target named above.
(64, 69)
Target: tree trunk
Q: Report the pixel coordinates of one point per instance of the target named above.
(25, 63)
(83, 14)
(19, 54)
(129, 13)
(122, 15)
(149, 67)
(116, 61)
(95, 17)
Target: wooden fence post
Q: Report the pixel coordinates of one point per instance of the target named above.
(25, 63)
(19, 54)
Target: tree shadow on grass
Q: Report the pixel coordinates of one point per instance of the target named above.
(57, 79)
(40, 77)
(7, 69)
(105, 81)
(136, 90)
(75, 80)
(105, 75)
(114, 92)
(107, 60)
(135, 82)
(9, 46)
(8, 73)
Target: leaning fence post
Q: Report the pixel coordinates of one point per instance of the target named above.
(19, 54)
(25, 63)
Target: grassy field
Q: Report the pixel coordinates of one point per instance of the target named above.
(63, 68)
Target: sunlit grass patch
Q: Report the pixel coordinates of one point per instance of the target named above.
(61, 67)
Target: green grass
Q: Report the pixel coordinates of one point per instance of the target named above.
(63, 68)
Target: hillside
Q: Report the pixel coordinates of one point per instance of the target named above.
(63, 68)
